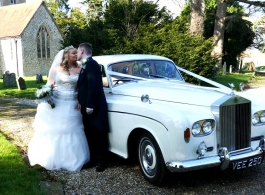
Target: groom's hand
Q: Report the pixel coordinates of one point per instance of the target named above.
(78, 107)
(89, 110)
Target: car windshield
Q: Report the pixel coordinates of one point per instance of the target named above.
(148, 69)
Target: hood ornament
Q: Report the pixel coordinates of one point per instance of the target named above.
(232, 86)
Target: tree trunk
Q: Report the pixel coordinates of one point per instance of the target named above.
(197, 17)
(219, 29)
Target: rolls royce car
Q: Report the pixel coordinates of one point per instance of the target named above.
(171, 125)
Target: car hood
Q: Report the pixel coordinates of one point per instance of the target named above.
(173, 91)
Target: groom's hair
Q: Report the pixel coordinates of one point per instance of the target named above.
(87, 48)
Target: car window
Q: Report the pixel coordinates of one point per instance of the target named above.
(150, 69)
(104, 77)
(165, 69)
(142, 69)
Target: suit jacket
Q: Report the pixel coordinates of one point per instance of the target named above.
(91, 94)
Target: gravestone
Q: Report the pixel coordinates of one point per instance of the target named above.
(9, 80)
(21, 83)
(224, 68)
(39, 78)
(230, 69)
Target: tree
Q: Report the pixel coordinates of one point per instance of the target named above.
(259, 29)
(220, 22)
(59, 9)
(95, 8)
(125, 21)
(197, 17)
(71, 22)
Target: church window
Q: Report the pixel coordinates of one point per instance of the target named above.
(43, 43)
(13, 1)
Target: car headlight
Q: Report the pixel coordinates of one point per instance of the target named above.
(262, 117)
(203, 127)
(258, 118)
(207, 126)
(255, 119)
(196, 129)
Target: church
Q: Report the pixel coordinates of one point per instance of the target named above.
(29, 38)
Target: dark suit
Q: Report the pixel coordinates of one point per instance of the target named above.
(91, 95)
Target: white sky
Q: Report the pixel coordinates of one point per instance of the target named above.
(173, 5)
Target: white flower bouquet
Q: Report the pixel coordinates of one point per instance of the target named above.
(44, 93)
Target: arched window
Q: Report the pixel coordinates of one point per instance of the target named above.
(43, 43)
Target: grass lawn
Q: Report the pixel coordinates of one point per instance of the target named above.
(16, 178)
(236, 79)
(29, 93)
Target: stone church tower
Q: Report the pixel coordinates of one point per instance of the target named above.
(11, 2)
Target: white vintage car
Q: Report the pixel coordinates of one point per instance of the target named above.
(171, 125)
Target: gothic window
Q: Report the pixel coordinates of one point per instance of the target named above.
(13, 1)
(43, 43)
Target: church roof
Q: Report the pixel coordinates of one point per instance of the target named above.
(15, 18)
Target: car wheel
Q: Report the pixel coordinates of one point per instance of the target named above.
(151, 160)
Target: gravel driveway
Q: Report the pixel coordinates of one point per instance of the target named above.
(124, 177)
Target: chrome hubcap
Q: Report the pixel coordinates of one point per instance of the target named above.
(148, 156)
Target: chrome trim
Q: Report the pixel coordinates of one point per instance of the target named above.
(221, 160)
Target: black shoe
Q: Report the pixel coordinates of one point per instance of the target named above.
(100, 167)
(86, 166)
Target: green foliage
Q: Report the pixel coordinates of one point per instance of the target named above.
(191, 53)
(126, 21)
(75, 28)
(95, 9)
(239, 36)
(59, 9)
(16, 176)
(238, 32)
(29, 93)
(140, 27)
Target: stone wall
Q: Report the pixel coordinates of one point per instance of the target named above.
(33, 65)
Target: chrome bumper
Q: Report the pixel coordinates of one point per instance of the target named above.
(221, 160)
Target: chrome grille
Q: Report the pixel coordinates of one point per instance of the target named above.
(235, 124)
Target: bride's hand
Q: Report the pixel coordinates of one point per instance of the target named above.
(78, 107)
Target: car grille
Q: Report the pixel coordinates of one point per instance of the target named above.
(235, 124)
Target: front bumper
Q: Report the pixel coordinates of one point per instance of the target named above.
(221, 160)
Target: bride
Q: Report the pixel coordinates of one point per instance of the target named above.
(59, 141)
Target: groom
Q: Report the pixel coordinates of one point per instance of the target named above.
(94, 109)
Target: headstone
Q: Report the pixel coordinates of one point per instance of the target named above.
(21, 83)
(39, 78)
(9, 80)
(230, 69)
(224, 69)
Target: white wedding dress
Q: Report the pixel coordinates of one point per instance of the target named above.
(59, 141)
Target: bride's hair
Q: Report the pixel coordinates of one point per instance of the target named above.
(65, 62)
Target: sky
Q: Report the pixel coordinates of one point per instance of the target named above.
(173, 7)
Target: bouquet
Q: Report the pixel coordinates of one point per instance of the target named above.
(45, 93)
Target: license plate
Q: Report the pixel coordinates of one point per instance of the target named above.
(247, 162)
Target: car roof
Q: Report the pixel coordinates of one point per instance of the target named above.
(109, 59)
